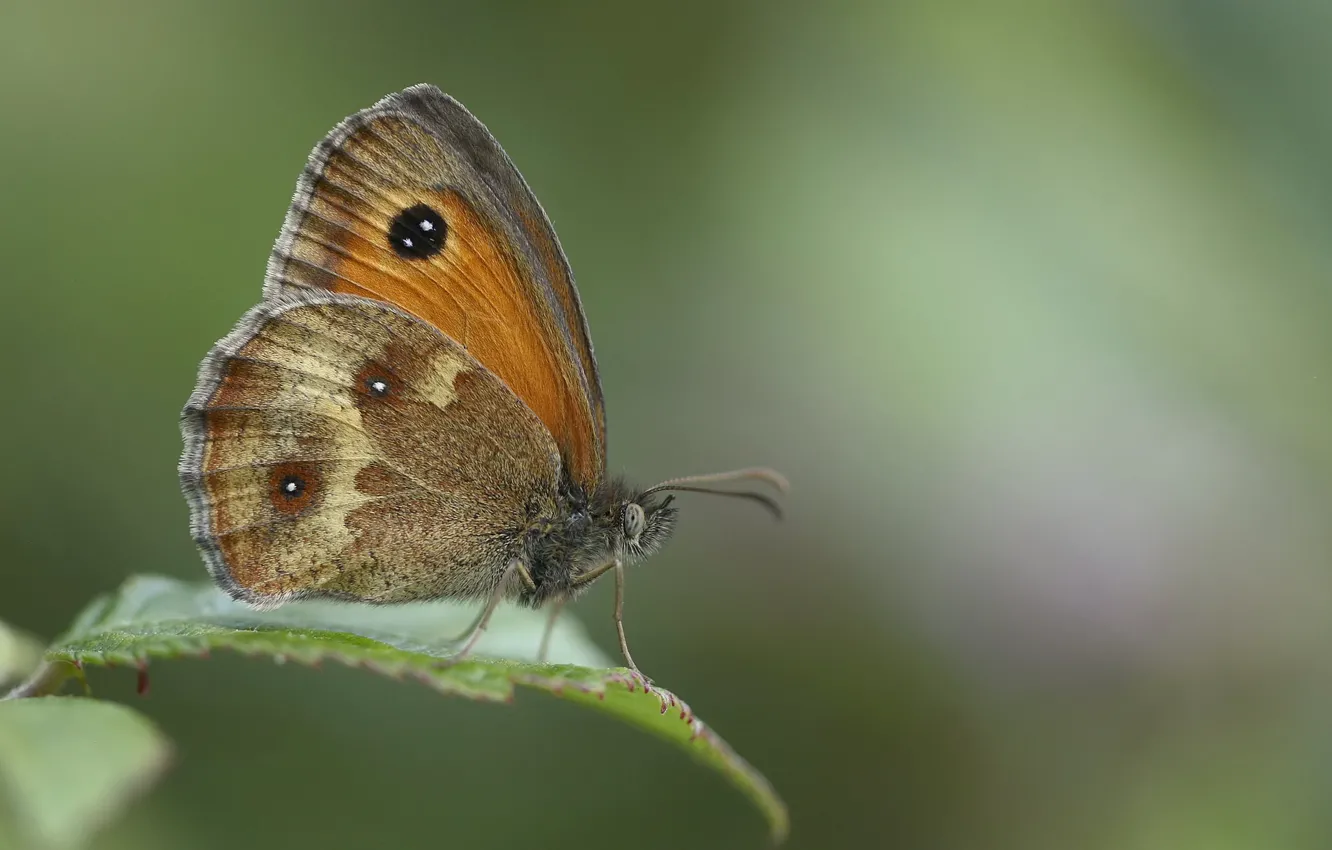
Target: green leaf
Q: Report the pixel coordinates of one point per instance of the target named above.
(154, 617)
(67, 764)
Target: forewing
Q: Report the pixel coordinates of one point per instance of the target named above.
(414, 203)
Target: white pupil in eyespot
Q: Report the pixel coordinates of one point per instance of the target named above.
(379, 387)
(292, 487)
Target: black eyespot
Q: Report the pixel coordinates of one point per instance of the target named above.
(417, 233)
(292, 486)
(376, 387)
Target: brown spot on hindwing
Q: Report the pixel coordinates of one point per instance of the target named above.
(294, 488)
(380, 479)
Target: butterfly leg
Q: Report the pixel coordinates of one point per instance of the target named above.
(619, 619)
(555, 608)
(478, 627)
(592, 575)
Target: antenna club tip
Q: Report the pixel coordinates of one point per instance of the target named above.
(775, 478)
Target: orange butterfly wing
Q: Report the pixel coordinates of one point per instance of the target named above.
(413, 202)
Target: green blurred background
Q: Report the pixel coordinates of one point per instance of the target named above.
(1031, 301)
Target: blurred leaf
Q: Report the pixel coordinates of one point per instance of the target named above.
(154, 617)
(67, 764)
(20, 653)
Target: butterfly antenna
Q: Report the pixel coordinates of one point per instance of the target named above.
(689, 484)
(753, 473)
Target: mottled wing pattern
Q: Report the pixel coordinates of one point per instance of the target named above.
(414, 203)
(337, 446)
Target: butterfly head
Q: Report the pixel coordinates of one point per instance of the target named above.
(618, 523)
(645, 523)
(627, 525)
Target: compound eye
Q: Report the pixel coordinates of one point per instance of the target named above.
(635, 520)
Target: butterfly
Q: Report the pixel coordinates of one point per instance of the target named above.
(413, 411)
